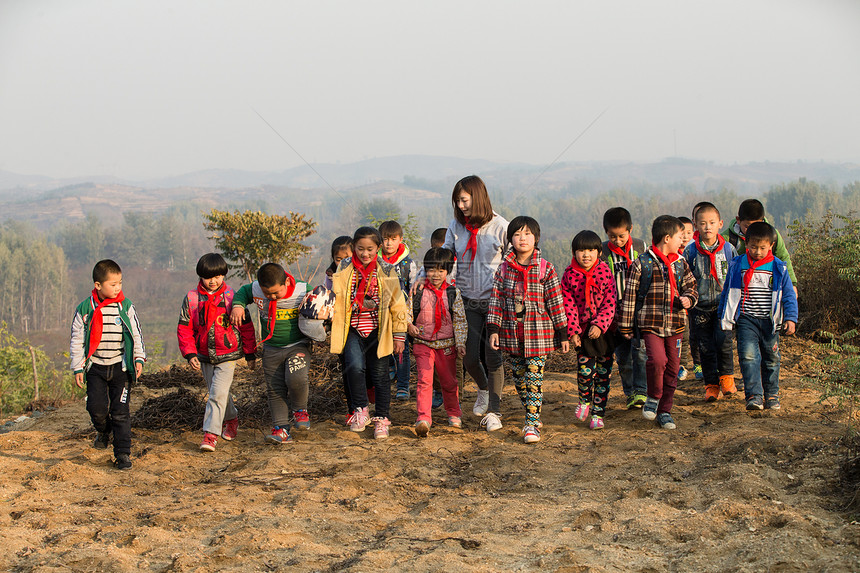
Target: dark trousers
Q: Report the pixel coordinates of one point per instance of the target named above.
(483, 363)
(715, 345)
(360, 361)
(107, 402)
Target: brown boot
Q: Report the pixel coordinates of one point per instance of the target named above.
(712, 393)
(727, 384)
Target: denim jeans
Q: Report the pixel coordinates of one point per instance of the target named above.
(359, 360)
(400, 369)
(219, 406)
(758, 355)
(630, 356)
(714, 343)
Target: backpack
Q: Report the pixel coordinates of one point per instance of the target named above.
(544, 267)
(648, 262)
(224, 342)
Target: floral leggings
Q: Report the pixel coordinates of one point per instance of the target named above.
(593, 381)
(528, 380)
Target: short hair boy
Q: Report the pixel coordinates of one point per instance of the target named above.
(107, 353)
(619, 252)
(709, 257)
(659, 288)
(437, 238)
(286, 350)
(752, 211)
(758, 301)
(396, 253)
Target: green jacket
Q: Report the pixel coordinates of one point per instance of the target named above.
(286, 315)
(134, 350)
(733, 235)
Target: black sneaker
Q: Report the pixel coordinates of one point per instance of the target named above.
(755, 403)
(772, 403)
(122, 462)
(102, 440)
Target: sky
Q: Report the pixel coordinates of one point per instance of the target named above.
(141, 89)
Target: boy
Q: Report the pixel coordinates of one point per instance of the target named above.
(212, 345)
(619, 252)
(107, 353)
(759, 301)
(654, 312)
(439, 332)
(686, 344)
(395, 252)
(709, 257)
(285, 348)
(752, 211)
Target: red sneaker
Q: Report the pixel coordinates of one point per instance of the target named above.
(279, 436)
(302, 420)
(230, 429)
(209, 442)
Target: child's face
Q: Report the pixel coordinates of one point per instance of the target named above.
(343, 253)
(673, 242)
(618, 236)
(586, 258)
(758, 249)
(274, 292)
(524, 241)
(709, 224)
(437, 276)
(744, 225)
(686, 234)
(365, 250)
(391, 244)
(464, 204)
(213, 284)
(110, 287)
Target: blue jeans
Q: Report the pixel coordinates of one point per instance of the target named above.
(758, 355)
(359, 359)
(400, 369)
(630, 356)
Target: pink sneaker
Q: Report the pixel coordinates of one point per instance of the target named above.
(380, 428)
(230, 429)
(596, 423)
(582, 411)
(359, 420)
(209, 442)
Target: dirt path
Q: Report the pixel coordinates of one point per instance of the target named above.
(726, 491)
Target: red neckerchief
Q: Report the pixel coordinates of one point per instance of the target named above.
(392, 260)
(273, 305)
(589, 279)
(211, 305)
(712, 256)
(472, 244)
(364, 282)
(523, 270)
(748, 274)
(668, 260)
(437, 314)
(97, 321)
(628, 248)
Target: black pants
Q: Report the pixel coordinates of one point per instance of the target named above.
(107, 402)
(715, 346)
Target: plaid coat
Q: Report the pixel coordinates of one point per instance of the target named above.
(545, 322)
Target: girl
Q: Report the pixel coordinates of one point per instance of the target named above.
(589, 301)
(477, 235)
(341, 248)
(526, 316)
(369, 324)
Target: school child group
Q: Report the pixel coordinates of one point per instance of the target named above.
(484, 289)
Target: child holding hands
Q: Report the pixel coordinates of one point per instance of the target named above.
(526, 317)
(589, 301)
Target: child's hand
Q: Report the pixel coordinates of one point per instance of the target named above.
(399, 346)
(789, 327)
(461, 351)
(138, 369)
(577, 341)
(686, 302)
(494, 341)
(628, 335)
(412, 330)
(594, 332)
(252, 363)
(237, 315)
(194, 362)
(565, 346)
(79, 379)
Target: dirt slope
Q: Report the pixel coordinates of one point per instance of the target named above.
(725, 491)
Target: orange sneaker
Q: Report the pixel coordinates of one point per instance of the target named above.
(727, 384)
(712, 393)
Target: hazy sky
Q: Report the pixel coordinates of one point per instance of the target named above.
(142, 89)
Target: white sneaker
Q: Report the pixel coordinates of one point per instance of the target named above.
(492, 422)
(482, 402)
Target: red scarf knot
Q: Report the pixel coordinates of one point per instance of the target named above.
(472, 244)
(97, 320)
(668, 260)
(392, 260)
(711, 255)
(748, 274)
(210, 307)
(437, 312)
(626, 252)
(365, 273)
(273, 305)
(590, 283)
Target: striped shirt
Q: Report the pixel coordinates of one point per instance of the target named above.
(110, 349)
(758, 300)
(365, 321)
